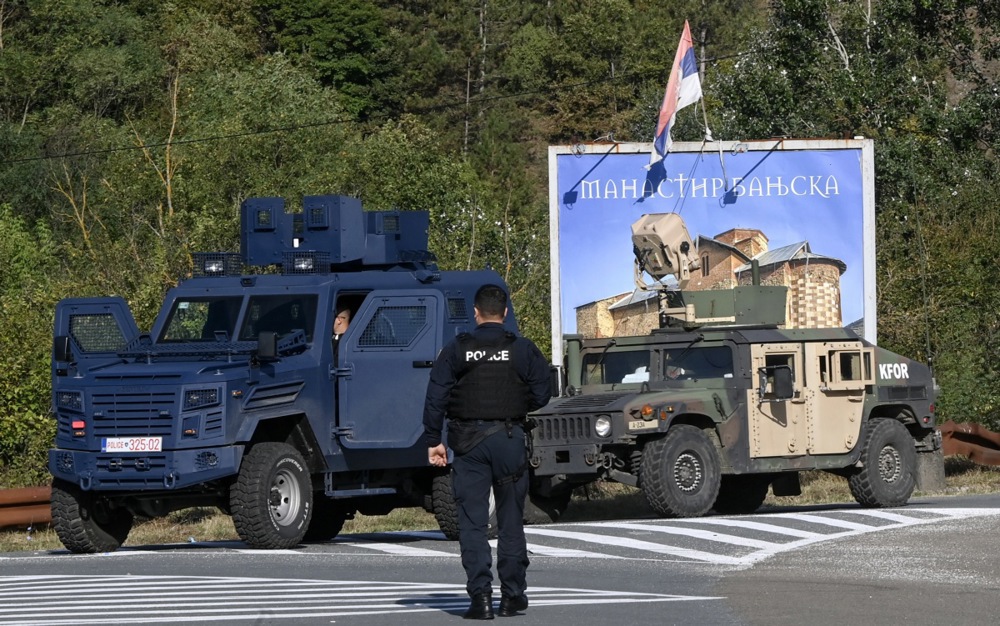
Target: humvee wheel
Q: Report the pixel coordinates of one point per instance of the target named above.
(271, 500)
(85, 522)
(741, 494)
(680, 473)
(887, 475)
(445, 508)
(328, 517)
(539, 509)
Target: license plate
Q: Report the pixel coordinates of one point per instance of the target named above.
(132, 444)
(633, 425)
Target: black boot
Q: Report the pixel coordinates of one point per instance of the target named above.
(481, 607)
(511, 605)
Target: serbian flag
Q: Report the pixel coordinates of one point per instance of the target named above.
(683, 88)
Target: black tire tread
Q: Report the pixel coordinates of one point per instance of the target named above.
(866, 484)
(328, 518)
(545, 509)
(655, 479)
(740, 495)
(252, 521)
(76, 526)
(444, 506)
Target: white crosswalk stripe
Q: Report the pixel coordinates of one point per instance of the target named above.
(83, 600)
(722, 541)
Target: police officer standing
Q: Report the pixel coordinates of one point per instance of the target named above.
(485, 382)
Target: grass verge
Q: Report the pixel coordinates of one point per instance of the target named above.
(598, 501)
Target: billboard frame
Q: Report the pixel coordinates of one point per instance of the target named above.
(867, 171)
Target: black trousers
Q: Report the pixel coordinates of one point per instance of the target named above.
(492, 463)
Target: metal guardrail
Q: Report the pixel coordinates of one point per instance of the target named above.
(25, 507)
(31, 507)
(982, 446)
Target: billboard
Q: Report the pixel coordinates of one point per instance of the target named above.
(815, 191)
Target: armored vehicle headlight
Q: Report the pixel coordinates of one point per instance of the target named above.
(603, 426)
(214, 266)
(70, 400)
(304, 264)
(197, 398)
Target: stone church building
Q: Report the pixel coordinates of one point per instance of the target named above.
(813, 282)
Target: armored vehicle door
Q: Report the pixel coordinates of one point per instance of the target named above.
(91, 330)
(777, 425)
(837, 374)
(384, 366)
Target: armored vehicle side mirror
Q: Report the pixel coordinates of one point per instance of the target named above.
(62, 350)
(267, 345)
(780, 379)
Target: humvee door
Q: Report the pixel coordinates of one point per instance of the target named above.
(837, 374)
(777, 424)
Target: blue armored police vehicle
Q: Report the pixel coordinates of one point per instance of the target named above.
(242, 397)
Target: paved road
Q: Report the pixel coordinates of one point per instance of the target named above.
(819, 565)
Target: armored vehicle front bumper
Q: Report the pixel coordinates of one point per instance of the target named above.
(176, 469)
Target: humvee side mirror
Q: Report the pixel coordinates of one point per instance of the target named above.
(780, 379)
(557, 381)
(267, 345)
(62, 350)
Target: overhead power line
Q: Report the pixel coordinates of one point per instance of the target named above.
(378, 119)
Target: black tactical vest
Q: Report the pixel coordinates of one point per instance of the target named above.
(488, 386)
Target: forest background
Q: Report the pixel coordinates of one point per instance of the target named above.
(130, 132)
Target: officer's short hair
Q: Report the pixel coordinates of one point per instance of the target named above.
(491, 300)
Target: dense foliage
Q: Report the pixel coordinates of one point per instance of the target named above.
(131, 131)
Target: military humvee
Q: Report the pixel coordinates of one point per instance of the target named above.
(239, 396)
(710, 415)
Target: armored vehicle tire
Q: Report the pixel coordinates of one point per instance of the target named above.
(445, 508)
(680, 473)
(887, 475)
(741, 494)
(539, 509)
(328, 517)
(85, 522)
(271, 499)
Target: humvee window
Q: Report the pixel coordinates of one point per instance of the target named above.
(700, 363)
(602, 368)
(201, 319)
(280, 315)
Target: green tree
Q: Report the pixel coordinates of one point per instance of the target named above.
(27, 297)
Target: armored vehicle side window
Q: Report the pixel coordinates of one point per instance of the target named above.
(279, 314)
(201, 319)
(602, 368)
(394, 326)
(698, 363)
(96, 333)
(457, 310)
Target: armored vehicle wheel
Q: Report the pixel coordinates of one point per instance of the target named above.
(540, 509)
(680, 473)
(328, 517)
(446, 509)
(888, 466)
(741, 494)
(271, 500)
(85, 522)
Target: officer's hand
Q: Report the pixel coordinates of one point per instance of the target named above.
(438, 455)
